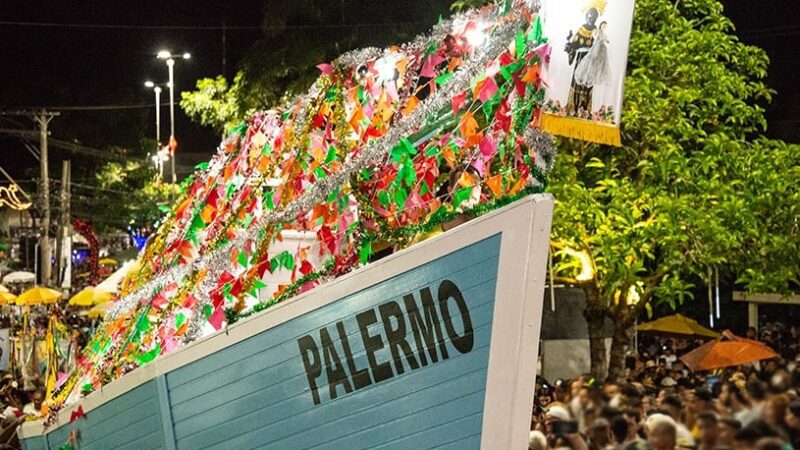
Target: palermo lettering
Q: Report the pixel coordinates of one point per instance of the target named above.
(411, 335)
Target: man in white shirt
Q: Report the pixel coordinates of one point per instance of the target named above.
(34, 408)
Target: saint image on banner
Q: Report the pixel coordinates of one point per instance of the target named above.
(586, 71)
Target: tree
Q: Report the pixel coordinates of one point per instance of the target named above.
(126, 194)
(693, 188)
(283, 62)
(214, 103)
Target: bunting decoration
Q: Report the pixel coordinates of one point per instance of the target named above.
(388, 147)
(585, 71)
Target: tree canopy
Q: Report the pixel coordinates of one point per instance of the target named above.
(295, 39)
(694, 187)
(126, 194)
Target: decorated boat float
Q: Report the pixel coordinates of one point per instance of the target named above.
(361, 267)
(434, 346)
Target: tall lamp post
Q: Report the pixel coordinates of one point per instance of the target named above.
(159, 162)
(170, 58)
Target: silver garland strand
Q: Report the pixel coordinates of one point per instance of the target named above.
(375, 152)
(217, 261)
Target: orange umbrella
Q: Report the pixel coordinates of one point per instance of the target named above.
(730, 350)
(677, 324)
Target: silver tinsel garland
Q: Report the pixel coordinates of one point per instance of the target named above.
(217, 262)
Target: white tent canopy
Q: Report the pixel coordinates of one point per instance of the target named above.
(111, 284)
(19, 277)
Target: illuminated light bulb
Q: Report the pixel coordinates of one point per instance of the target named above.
(475, 36)
(386, 69)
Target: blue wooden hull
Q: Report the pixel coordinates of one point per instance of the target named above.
(401, 360)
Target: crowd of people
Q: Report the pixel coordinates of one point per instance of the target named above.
(22, 383)
(660, 404)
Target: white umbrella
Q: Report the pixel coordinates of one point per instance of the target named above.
(19, 277)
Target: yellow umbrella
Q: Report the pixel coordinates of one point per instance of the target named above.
(38, 295)
(107, 262)
(90, 296)
(99, 310)
(7, 298)
(677, 325)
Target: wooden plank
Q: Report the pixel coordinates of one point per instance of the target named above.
(472, 269)
(252, 392)
(126, 418)
(279, 347)
(740, 296)
(165, 413)
(35, 443)
(361, 412)
(283, 391)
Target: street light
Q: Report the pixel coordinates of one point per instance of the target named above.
(157, 89)
(170, 58)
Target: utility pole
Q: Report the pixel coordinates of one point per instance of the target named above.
(42, 118)
(64, 241)
(66, 249)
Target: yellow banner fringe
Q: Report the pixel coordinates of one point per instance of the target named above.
(585, 130)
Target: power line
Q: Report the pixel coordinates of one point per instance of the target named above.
(201, 27)
(124, 26)
(102, 107)
(95, 188)
(69, 146)
(92, 107)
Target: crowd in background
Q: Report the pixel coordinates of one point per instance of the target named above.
(661, 405)
(22, 384)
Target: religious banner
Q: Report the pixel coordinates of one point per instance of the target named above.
(585, 75)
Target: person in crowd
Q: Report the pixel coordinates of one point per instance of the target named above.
(34, 407)
(561, 393)
(537, 441)
(633, 416)
(672, 405)
(726, 430)
(748, 436)
(700, 400)
(661, 432)
(732, 401)
(792, 421)
(775, 413)
(707, 424)
(756, 396)
(669, 356)
(577, 404)
(620, 432)
(558, 436)
(599, 434)
(770, 443)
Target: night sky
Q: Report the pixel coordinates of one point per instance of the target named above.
(100, 53)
